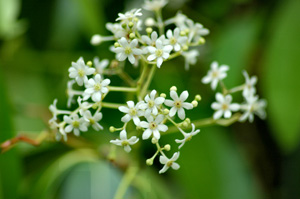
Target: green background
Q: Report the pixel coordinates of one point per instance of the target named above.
(261, 160)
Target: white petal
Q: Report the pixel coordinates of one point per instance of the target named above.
(187, 105)
(174, 95)
(127, 148)
(183, 96)
(146, 134)
(126, 118)
(227, 114)
(123, 135)
(172, 111)
(216, 106)
(131, 59)
(163, 159)
(175, 166)
(69, 128)
(162, 127)
(151, 57)
(181, 113)
(159, 61)
(218, 114)
(169, 102)
(144, 124)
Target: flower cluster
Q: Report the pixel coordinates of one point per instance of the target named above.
(152, 114)
(224, 106)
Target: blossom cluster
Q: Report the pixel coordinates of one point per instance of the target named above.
(146, 43)
(224, 106)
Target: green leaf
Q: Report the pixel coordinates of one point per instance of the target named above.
(212, 167)
(281, 76)
(10, 164)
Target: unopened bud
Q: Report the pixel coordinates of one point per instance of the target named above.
(149, 22)
(182, 33)
(188, 120)
(116, 44)
(201, 41)
(167, 147)
(149, 30)
(154, 141)
(96, 40)
(112, 129)
(163, 95)
(166, 111)
(194, 103)
(173, 88)
(149, 162)
(185, 47)
(135, 19)
(132, 35)
(198, 97)
(89, 63)
(130, 24)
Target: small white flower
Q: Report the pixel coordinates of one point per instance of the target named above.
(152, 104)
(100, 65)
(127, 50)
(83, 107)
(196, 31)
(223, 106)
(79, 71)
(132, 112)
(154, 5)
(76, 124)
(253, 106)
(96, 39)
(116, 29)
(128, 16)
(178, 104)
(175, 40)
(153, 127)
(150, 40)
(95, 87)
(160, 52)
(187, 136)
(190, 58)
(56, 111)
(215, 74)
(94, 119)
(169, 162)
(249, 89)
(124, 141)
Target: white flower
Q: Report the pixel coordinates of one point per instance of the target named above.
(150, 41)
(249, 88)
(224, 106)
(79, 71)
(196, 31)
(70, 92)
(128, 16)
(169, 162)
(253, 106)
(98, 39)
(215, 74)
(100, 65)
(190, 58)
(154, 5)
(178, 104)
(160, 52)
(116, 29)
(175, 40)
(187, 136)
(76, 124)
(56, 111)
(127, 50)
(153, 127)
(152, 104)
(124, 141)
(94, 119)
(132, 112)
(83, 107)
(179, 20)
(95, 87)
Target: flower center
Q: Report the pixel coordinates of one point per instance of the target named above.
(177, 104)
(173, 41)
(128, 50)
(159, 53)
(75, 124)
(169, 163)
(152, 125)
(92, 121)
(225, 107)
(125, 143)
(81, 72)
(132, 112)
(150, 103)
(215, 74)
(97, 87)
(189, 138)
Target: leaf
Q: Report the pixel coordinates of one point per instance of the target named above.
(10, 164)
(280, 76)
(212, 167)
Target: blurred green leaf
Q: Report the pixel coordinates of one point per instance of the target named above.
(281, 75)
(234, 44)
(212, 167)
(10, 26)
(10, 165)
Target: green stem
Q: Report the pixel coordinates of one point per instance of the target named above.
(111, 105)
(126, 181)
(126, 78)
(148, 81)
(160, 22)
(236, 89)
(121, 89)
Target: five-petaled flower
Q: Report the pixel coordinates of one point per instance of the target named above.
(124, 141)
(96, 87)
(187, 136)
(152, 104)
(153, 126)
(127, 50)
(215, 74)
(223, 106)
(79, 71)
(76, 124)
(159, 52)
(178, 104)
(169, 162)
(132, 112)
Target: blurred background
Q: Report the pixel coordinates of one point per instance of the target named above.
(260, 160)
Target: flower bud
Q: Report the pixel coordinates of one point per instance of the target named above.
(198, 97)
(149, 22)
(96, 40)
(173, 88)
(185, 47)
(130, 24)
(149, 162)
(185, 124)
(167, 147)
(194, 103)
(149, 30)
(124, 25)
(135, 19)
(112, 129)
(154, 141)
(132, 35)
(188, 120)
(163, 95)
(166, 111)
(89, 63)
(116, 44)
(201, 41)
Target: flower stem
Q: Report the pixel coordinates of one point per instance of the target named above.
(121, 89)
(126, 181)
(111, 105)
(148, 81)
